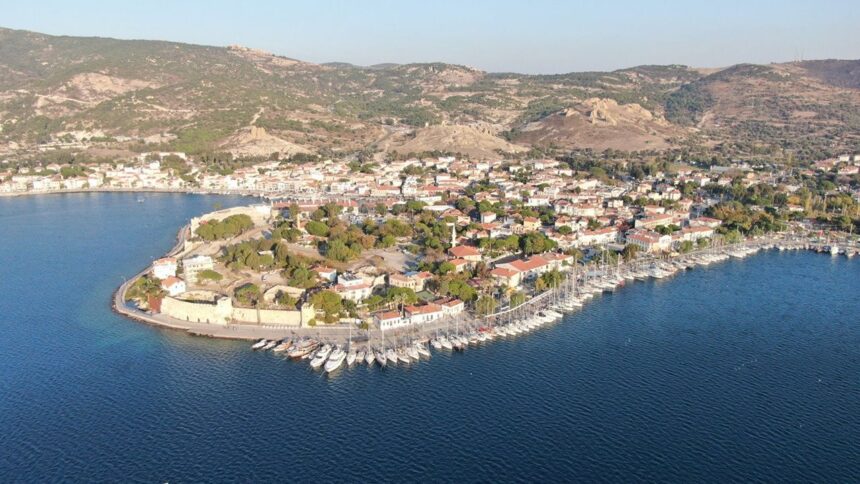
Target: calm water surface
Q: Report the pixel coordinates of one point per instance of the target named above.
(744, 371)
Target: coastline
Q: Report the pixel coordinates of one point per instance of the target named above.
(185, 191)
(340, 333)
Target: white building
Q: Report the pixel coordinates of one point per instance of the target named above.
(194, 265)
(164, 268)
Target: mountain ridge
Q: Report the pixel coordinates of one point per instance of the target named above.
(201, 97)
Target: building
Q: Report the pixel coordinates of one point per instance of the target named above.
(656, 220)
(505, 276)
(605, 235)
(424, 314)
(164, 268)
(451, 306)
(528, 268)
(194, 265)
(173, 285)
(326, 273)
(353, 287)
(465, 252)
(389, 320)
(410, 280)
(649, 241)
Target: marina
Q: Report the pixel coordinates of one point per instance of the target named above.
(332, 354)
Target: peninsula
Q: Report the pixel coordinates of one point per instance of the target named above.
(453, 252)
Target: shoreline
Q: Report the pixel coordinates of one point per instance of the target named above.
(340, 334)
(182, 191)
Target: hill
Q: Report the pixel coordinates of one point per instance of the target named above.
(133, 95)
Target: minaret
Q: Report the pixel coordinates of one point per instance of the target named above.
(453, 235)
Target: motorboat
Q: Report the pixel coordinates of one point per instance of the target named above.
(335, 360)
(260, 344)
(321, 356)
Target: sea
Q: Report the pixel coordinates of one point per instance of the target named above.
(744, 371)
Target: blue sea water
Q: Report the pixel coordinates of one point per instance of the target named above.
(747, 370)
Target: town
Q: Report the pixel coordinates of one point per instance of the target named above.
(412, 247)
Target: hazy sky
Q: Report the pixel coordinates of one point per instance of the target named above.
(538, 36)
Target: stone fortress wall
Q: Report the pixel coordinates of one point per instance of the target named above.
(202, 307)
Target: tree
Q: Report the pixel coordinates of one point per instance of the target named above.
(486, 305)
(374, 302)
(445, 268)
(461, 290)
(339, 251)
(285, 300)
(536, 243)
(248, 294)
(330, 303)
(401, 295)
(686, 246)
(565, 230)
(517, 298)
(630, 251)
(316, 228)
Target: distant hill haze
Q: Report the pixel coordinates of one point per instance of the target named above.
(198, 99)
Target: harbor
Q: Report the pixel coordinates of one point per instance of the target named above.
(330, 350)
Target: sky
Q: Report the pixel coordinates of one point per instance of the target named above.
(537, 36)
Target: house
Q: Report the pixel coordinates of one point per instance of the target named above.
(695, 233)
(194, 265)
(326, 273)
(353, 287)
(164, 268)
(389, 320)
(424, 313)
(528, 268)
(488, 217)
(531, 224)
(505, 276)
(460, 264)
(705, 222)
(173, 285)
(410, 280)
(451, 306)
(649, 241)
(605, 235)
(465, 252)
(656, 220)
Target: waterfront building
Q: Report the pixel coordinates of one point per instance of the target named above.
(424, 313)
(389, 320)
(164, 268)
(173, 285)
(194, 265)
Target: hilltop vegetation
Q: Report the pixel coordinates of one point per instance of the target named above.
(131, 96)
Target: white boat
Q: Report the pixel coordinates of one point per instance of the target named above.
(335, 360)
(369, 357)
(391, 356)
(271, 344)
(413, 353)
(403, 355)
(437, 345)
(446, 343)
(380, 357)
(362, 354)
(422, 350)
(260, 344)
(351, 357)
(283, 346)
(321, 356)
